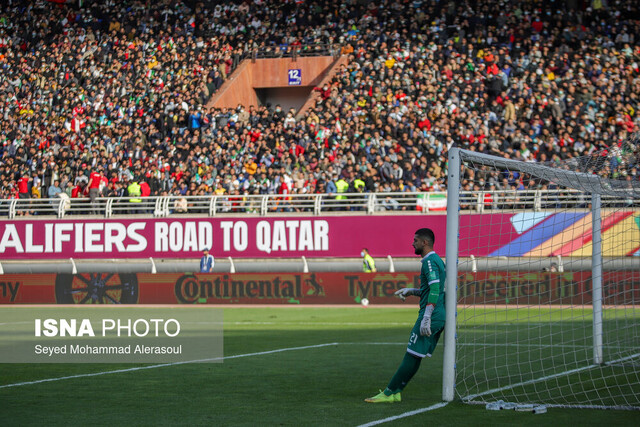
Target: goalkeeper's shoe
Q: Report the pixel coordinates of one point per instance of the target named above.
(383, 398)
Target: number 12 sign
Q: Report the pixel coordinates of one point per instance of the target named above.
(295, 77)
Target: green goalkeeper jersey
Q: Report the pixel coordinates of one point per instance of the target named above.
(432, 280)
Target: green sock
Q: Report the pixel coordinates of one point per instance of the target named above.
(403, 375)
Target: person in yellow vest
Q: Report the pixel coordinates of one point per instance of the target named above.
(368, 264)
(341, 187)
(358, 187)
(134, 192)
(359, 184)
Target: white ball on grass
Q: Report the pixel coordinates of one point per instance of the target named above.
(364, 302)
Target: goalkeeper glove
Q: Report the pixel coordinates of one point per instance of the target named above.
(405, 292)
(425, 325)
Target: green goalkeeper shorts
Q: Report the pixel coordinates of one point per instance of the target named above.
(421, 346)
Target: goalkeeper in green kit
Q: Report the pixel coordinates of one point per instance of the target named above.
(431, 317)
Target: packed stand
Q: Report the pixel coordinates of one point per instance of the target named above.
(111, 100)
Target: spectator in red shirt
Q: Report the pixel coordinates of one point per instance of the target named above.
(145, 190)
(325, 92)
(80, 190)
(95, 179)
(537, 24)
(424, 123)
(23, 190)
(23, 187)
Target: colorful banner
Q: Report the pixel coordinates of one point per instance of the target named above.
(493, 288)
(568, 233)
(495, 234)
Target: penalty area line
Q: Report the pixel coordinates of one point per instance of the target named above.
(405, 415)
(162, 365)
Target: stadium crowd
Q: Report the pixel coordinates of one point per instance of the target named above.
(96, 98)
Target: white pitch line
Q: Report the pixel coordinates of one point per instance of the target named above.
(373, 343)
(404, 415)
(140, 368)
(542, 345)
(324, 323)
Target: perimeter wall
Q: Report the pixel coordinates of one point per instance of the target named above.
(492, 288)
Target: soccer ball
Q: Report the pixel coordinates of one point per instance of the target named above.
(364, 302)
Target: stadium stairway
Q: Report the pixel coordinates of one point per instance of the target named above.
(251, 75)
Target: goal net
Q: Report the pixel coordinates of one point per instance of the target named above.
(548, 280)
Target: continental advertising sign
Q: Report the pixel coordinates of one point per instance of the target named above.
(619, 288)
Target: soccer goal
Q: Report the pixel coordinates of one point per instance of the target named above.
(547, 282)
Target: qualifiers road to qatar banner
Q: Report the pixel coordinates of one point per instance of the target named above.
(284, 237)
(494, 287)
(518, 234)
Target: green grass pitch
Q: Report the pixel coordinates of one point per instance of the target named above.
(316, 385)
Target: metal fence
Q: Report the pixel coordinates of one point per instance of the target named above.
(304, 204)
(293, 51)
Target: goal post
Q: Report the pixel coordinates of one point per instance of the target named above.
(596, 277)
(546, 294)
(453, 207)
